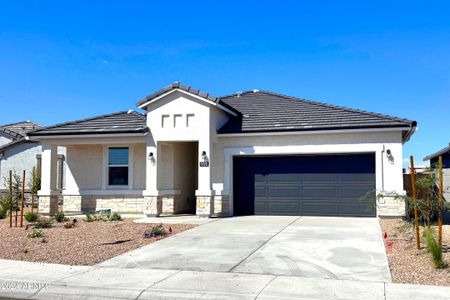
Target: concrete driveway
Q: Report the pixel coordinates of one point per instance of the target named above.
(315, 247)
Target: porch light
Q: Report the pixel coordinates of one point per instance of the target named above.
(389, 156)
(204, 156)
(151, 158)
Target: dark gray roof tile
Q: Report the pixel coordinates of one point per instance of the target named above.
(120, 122)
(263, 111)
(177, 85)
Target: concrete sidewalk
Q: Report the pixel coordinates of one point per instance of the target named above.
(50, 281)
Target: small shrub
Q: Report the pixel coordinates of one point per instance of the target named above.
(43, 223)
(60, 217)
(433, 248)
(44, 241)
(96, 218)
(36, 233)
(89, 218)
(25, 250)
(115, 217)
(5, 206)
(156, 231)
(31, 216)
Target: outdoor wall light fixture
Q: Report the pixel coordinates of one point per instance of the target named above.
(389, 156)
(205, 160)
(2, 154)
(151, 158)
(204, 156)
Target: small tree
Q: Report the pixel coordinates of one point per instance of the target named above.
(34, 185)
(11, 202)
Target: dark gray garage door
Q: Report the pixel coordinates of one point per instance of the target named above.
(315, 185)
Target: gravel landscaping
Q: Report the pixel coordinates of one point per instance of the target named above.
(407, 263)
(87, 243)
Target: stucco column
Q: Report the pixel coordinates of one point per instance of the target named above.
(204, 193)
(48, 194)
(152, 199)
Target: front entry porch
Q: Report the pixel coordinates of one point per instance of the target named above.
(130, 178)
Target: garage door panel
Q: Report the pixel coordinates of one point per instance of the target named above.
(328, 185)
(284, 207)
(317, 208)
(355, 178)
(260, 178)
(319, 192)
(260, 191)
(286, 191)
(355, 192)
(315, 178)
(284, 178)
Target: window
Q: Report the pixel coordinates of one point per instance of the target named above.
(118, 166)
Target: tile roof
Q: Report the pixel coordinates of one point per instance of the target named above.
(445, 150)
(22, 127)
(177, 85)
(257, 111)
(10, 134)
(262, 111)
(120, 122)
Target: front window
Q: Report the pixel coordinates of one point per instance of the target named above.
(118, 166)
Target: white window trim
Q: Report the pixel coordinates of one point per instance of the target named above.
(105, 173)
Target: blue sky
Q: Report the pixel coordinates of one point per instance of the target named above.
(65, 60)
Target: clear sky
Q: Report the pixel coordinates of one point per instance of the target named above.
(66, 60)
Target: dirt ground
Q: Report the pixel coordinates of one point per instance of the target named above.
(88, 243)
(409, 264)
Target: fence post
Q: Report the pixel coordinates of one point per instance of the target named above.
(10, 199)
(413, 196)
(22, 200)
(441, 196)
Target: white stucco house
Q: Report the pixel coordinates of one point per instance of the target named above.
(16, 152)
(254, 152)
(434, 161)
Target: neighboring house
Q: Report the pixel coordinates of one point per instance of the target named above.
(254, 152)
(16, 152)
(434, 161)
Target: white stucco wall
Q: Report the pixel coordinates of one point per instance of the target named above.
(226, 147)
(4, 140)
(17, 158)
(181, 117)
(446, 180)
(139, 166)
(86, 168)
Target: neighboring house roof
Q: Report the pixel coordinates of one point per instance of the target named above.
(263, 111)
(443, 151)
(22, 127)
(10, 134)
(17, 132)
(115, 123)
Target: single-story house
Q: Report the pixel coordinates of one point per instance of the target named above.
(17, 153)
(253, 152)
(434, 161)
